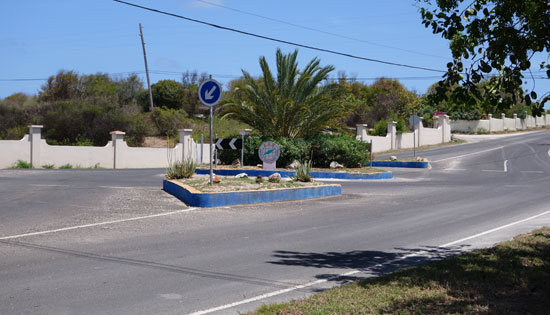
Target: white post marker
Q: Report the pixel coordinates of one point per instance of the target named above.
(210, 93)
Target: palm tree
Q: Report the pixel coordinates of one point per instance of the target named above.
(293, 105)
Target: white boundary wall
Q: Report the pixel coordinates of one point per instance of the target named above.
(498, 125)
(116, 154)
(13, 150)
(421, 135)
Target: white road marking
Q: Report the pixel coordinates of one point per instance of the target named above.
(494, 230)
(497, 171)
(537, 172)
(267, 295)
(468, 154)
(96, 224)
(279, 292)
(454, 169)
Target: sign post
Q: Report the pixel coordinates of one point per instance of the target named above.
(210, 93)
(414, 120)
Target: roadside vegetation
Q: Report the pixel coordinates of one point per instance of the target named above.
(511, 278)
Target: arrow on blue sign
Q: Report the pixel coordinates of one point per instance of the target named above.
(210, 92)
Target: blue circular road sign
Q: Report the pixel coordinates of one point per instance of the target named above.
(210, 92)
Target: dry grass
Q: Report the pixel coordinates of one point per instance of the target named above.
(510, 278)
(201, 183)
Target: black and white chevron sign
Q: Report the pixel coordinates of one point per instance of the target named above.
(230, 144)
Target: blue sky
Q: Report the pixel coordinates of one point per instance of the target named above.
(39, 38)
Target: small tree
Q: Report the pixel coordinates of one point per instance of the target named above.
(291, 105)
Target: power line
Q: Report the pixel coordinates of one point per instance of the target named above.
(318, 30)
(279, 40)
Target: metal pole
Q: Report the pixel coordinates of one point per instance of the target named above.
(216, 150)
(242, 150)
(211, 153)
(146, 68)
(414, 142)
(370, 153)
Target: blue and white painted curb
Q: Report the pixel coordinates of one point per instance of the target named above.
(318, 175)
(410, 164)
(194, 198)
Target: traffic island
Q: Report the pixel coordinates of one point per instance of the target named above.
(196, 198)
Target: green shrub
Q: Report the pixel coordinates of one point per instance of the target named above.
(48, 166)
(345, 150)
(302, 172)
(473, 114)
(66, 167)
(321, 150)
(291, 149)
(181, 169)
(22, 164)
(168, 120)
(381, 127)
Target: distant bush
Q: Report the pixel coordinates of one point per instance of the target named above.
(291, 149)
(381, 128)
(168, 120)
(345, 150)
(462, 115)
(321, 149)
(82, 123)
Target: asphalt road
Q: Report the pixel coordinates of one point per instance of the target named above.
(111, 242)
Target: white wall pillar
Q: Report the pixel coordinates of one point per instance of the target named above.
(490, 122)
(445, 128)
(392, 131)
(361, 131)
(35, 135)
(117, 138)
(503, 117)
(516, 121)
(419, 126)
(185, 140)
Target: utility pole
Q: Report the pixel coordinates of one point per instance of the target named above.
(146, 68)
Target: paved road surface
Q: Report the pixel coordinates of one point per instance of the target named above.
(111, 242)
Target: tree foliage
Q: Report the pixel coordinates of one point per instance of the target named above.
(168, 93)
(488, 37)
(291, 104)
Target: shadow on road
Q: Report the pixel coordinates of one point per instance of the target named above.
(371, 263)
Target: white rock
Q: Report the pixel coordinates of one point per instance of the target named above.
(335, 164)
(294, 165)
(274, 178)
(393, 158)
(241, 175)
